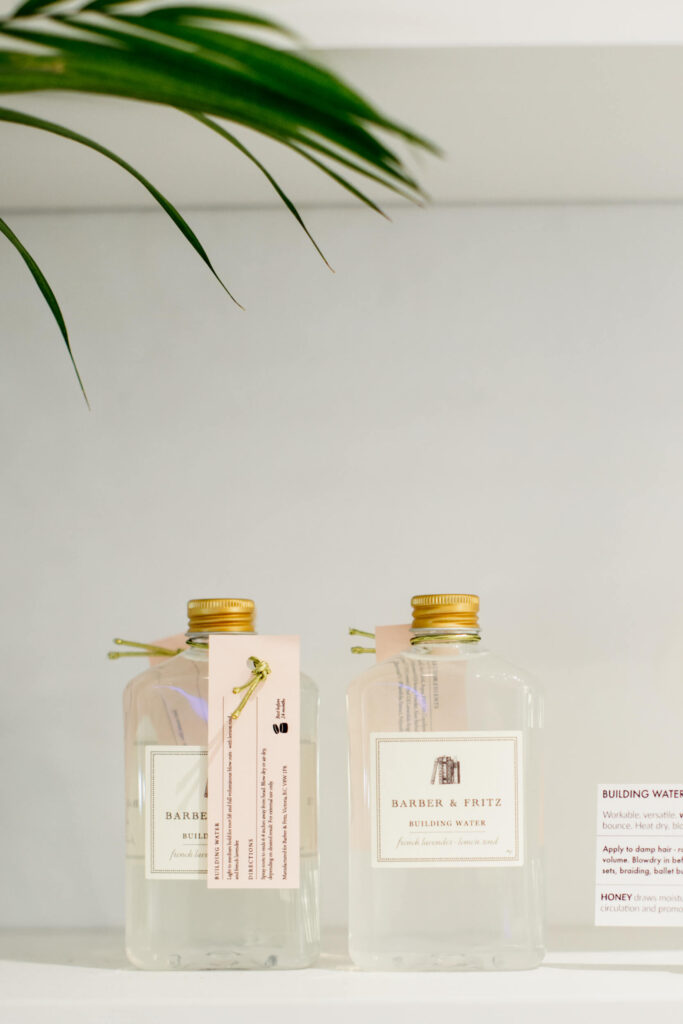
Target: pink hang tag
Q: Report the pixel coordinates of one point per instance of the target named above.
(391, 640)
(254, 764)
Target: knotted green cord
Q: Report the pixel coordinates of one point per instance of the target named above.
(425, 639)
(260, 671)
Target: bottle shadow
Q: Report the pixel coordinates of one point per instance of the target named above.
(627, 950)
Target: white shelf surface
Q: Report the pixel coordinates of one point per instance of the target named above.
(79, 976)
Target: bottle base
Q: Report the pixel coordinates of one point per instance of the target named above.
(466, 960)
(221, 960)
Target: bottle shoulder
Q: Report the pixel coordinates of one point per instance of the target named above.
(478, 664)
(164, 672)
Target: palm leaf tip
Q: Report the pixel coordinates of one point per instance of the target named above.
(47, 293)
(224, 133)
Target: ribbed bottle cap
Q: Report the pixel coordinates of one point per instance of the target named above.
(430, 611)
(221, 615)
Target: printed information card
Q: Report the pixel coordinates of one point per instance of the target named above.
(639, 871)
(254, 763)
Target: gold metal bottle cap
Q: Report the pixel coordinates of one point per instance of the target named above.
(431, 611)
(221, 615)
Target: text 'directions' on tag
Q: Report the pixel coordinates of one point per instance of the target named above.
(254, 764)
(639, 856)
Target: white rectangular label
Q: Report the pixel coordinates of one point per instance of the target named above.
(176, 812)
(639, 862)
(449, 799)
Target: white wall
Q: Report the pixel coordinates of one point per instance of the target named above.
(484, 399)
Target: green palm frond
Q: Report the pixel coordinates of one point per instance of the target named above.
(46, 291)
(217, 65)
(16, 117)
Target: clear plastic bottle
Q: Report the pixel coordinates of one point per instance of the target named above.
(445, 803)
(178, 923)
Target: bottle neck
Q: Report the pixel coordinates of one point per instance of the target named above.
(201, 640)
(454, 636)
